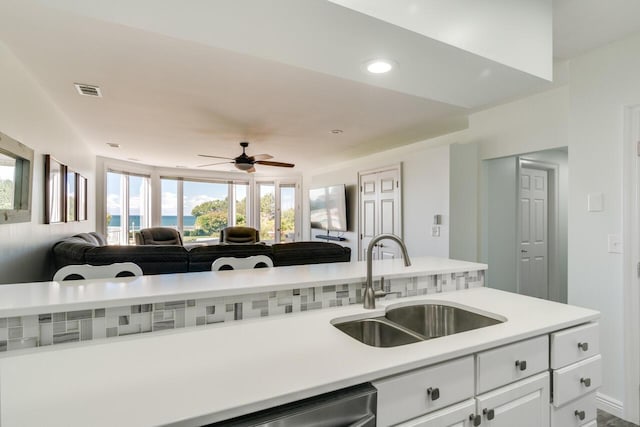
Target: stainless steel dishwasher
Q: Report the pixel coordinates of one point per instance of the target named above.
(351, 407)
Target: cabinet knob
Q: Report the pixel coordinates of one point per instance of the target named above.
(586, 382)
(580, 414)
(434, 393)
(476, 420)
(489, 413)
(521, 364)
(584, 346)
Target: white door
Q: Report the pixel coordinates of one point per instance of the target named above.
(523, 404)
(533, 223)
(380, 211)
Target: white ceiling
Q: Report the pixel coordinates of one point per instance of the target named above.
(200, 79)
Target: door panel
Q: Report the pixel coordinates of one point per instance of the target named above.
(533, 246)
(380, 211)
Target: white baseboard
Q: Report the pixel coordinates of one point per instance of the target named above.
(610, 405)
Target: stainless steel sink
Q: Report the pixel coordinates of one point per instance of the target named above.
(435, 320)
(377, 332)
(414, 323)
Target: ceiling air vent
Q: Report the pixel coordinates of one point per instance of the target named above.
(88, 90)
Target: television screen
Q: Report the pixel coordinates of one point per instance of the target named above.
(328, 208)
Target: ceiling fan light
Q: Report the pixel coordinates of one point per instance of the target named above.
(244, 166)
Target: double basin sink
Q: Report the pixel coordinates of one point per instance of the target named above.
(414, 323)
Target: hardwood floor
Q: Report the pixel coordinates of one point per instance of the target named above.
(607, 420)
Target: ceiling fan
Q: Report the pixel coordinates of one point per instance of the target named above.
(245, 162)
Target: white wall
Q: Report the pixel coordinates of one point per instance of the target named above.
(28, 115)
(463, 201)
(588, 116)
(425, 180)
(602, 83)
(500, 222)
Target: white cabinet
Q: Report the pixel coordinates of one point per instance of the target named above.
(506, 386)
(512, 362)
(523, 404)
(577, 373)
(460, 415)
(414, 393)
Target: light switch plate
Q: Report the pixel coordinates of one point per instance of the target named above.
(614, 244)
(435, 231)
(595, 202)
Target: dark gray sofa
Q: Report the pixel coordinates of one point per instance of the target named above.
(91, 248)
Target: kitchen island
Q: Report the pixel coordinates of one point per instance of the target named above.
(199, 375)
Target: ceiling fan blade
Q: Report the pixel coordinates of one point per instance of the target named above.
(213, 164)
(215, 157)
(252, 170)
(280, 164)
(261, 157)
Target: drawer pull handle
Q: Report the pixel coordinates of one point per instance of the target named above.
(489, 413)
(434, 393)
(584, 346)
(580, 414)
(521, 364)
(476, 420)
(586, 382)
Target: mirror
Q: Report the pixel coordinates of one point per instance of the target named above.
(16, 175)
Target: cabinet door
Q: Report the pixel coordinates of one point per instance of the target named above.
(406, 396)
(523, 404)
(459, 415)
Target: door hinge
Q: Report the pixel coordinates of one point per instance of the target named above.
(638, 148)
(361, 239)
(361, 188)
(638, 269)
(397, 184)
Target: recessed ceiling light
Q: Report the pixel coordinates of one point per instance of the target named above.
(379, 66)
(181, 167)
(337, 131)
(113, 145)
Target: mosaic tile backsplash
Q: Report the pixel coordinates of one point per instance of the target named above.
(82, 325)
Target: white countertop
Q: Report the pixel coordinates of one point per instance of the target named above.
(47, 297)
(213, 373)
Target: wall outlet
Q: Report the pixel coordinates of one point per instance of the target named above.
(435, 231)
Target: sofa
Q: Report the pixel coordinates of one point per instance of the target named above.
(91, 248)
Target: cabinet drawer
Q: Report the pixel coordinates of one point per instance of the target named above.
(576, 380)
(505, 365)
(455, 415)
(575, 344)
(570, 414)
(409, 395)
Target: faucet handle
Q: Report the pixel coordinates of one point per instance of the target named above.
(381, 292)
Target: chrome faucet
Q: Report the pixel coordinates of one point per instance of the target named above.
(369, 293)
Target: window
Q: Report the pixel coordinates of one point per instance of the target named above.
(128, 206)
(205, 210)
(198, 208)
(267, 216)
(278, 210)
(169, 203)
(287, 229)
